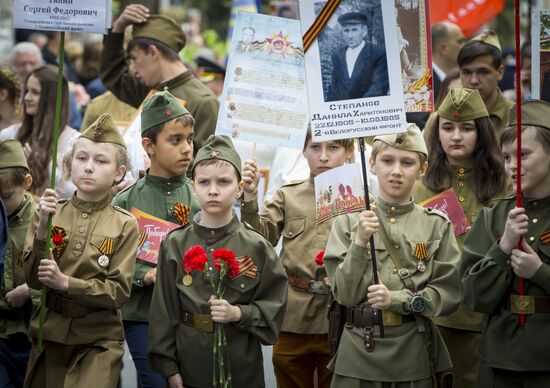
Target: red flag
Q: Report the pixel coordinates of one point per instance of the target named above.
(470, 15)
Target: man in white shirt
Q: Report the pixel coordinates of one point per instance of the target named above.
(359, 69)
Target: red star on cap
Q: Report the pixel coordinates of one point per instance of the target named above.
(168, 113)
(456, 114)
(214, 154)
(97, 134)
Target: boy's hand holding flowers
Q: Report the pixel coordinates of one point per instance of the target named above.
(224, 312)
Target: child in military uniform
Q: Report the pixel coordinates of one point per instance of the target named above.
(164, 192)
(463, 155)
(15, 301)
(302, 345)
(417, 260)
(90, 275)
(183, 308)
(514, 354)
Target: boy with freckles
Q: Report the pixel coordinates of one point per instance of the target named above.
(164, 192)
(420, 281)
(183, 309)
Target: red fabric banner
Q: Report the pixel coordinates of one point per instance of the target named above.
(470, 15)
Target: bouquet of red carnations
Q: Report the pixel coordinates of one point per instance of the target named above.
(225, 263)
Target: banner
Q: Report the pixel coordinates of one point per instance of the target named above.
(353, 71)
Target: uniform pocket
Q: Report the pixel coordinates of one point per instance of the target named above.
(294, 227)
(240, 289)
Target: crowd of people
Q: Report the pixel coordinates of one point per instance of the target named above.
(447, 309)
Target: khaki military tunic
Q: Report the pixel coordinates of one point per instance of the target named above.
(156, 196)
(107, 103)
(14, 274)
(488, 281)
(291, 214)
(175, 347)
(400, 356)
(200, 100)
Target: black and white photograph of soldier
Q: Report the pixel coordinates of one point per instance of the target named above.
(352, 52)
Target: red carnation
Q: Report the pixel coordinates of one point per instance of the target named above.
(57, 239)
(319, 258)
(229, 258)
(194, 259)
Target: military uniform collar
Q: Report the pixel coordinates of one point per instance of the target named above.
(207, 233)
(176, 81)
(536, 203)
(393, 209)
(500, 107)
(176, 181)
(17, 216)
(90, 206)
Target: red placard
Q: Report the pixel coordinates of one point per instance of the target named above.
(447, 202)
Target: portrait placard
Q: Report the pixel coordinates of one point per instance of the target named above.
(353, 70)
(540, 56)
(264, 95)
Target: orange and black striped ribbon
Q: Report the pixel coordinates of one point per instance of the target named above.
(181, 212)
(420, 251)
(545, 238)
(247, 267)
(319, 23)
(107, 247)
(143, 236)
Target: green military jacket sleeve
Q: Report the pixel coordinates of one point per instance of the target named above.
(158, 197)
(488, 281)
(199, 100)
(462, 182)
(260, 292)
(92, 230)
(349, 267)
(14, 273)
(291, 214)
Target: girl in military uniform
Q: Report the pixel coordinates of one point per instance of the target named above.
(417, 260)
(90, 274)
(463, 155)
(514, 344)
(302, 346)
(183, 308)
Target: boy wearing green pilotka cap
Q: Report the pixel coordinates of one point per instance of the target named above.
(418, 262)
(183, 308)
(15, 298)
(463, 155)
(164, 192)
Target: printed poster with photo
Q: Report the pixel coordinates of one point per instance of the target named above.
(264, 97)
(353, 70)
(540, 55)
(413, 32)
(339, 191)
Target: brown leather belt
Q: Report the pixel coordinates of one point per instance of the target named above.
(317, 287)
(363, 316)
(528, 304)
(67, 307)
(200, 322)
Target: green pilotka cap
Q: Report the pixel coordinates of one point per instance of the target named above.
(162, 29)
(160, 108)
(219, 147)
(533, 113)
(411, 140)
(462, 104)
(104, 130)
(488, 37)
(12, 155)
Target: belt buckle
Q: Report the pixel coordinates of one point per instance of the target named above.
(522, 304)
(404, 273)
(203, 323)
(317, 287)
(391, 318)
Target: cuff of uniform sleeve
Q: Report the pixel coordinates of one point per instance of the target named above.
(542, 276)
(359, 252)
(77, 287)
(246, 317)
(498, 255)
(139, 276)
(250, 207)
(38, 248)
(166, 367)
(400, 301)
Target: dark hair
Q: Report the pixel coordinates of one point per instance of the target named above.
(444, 89)
(543, 136)
(38, 130)
(12, 177)
(9, 82)
(488, 174)
(153, 132)
(475, 49)
(143, 43)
